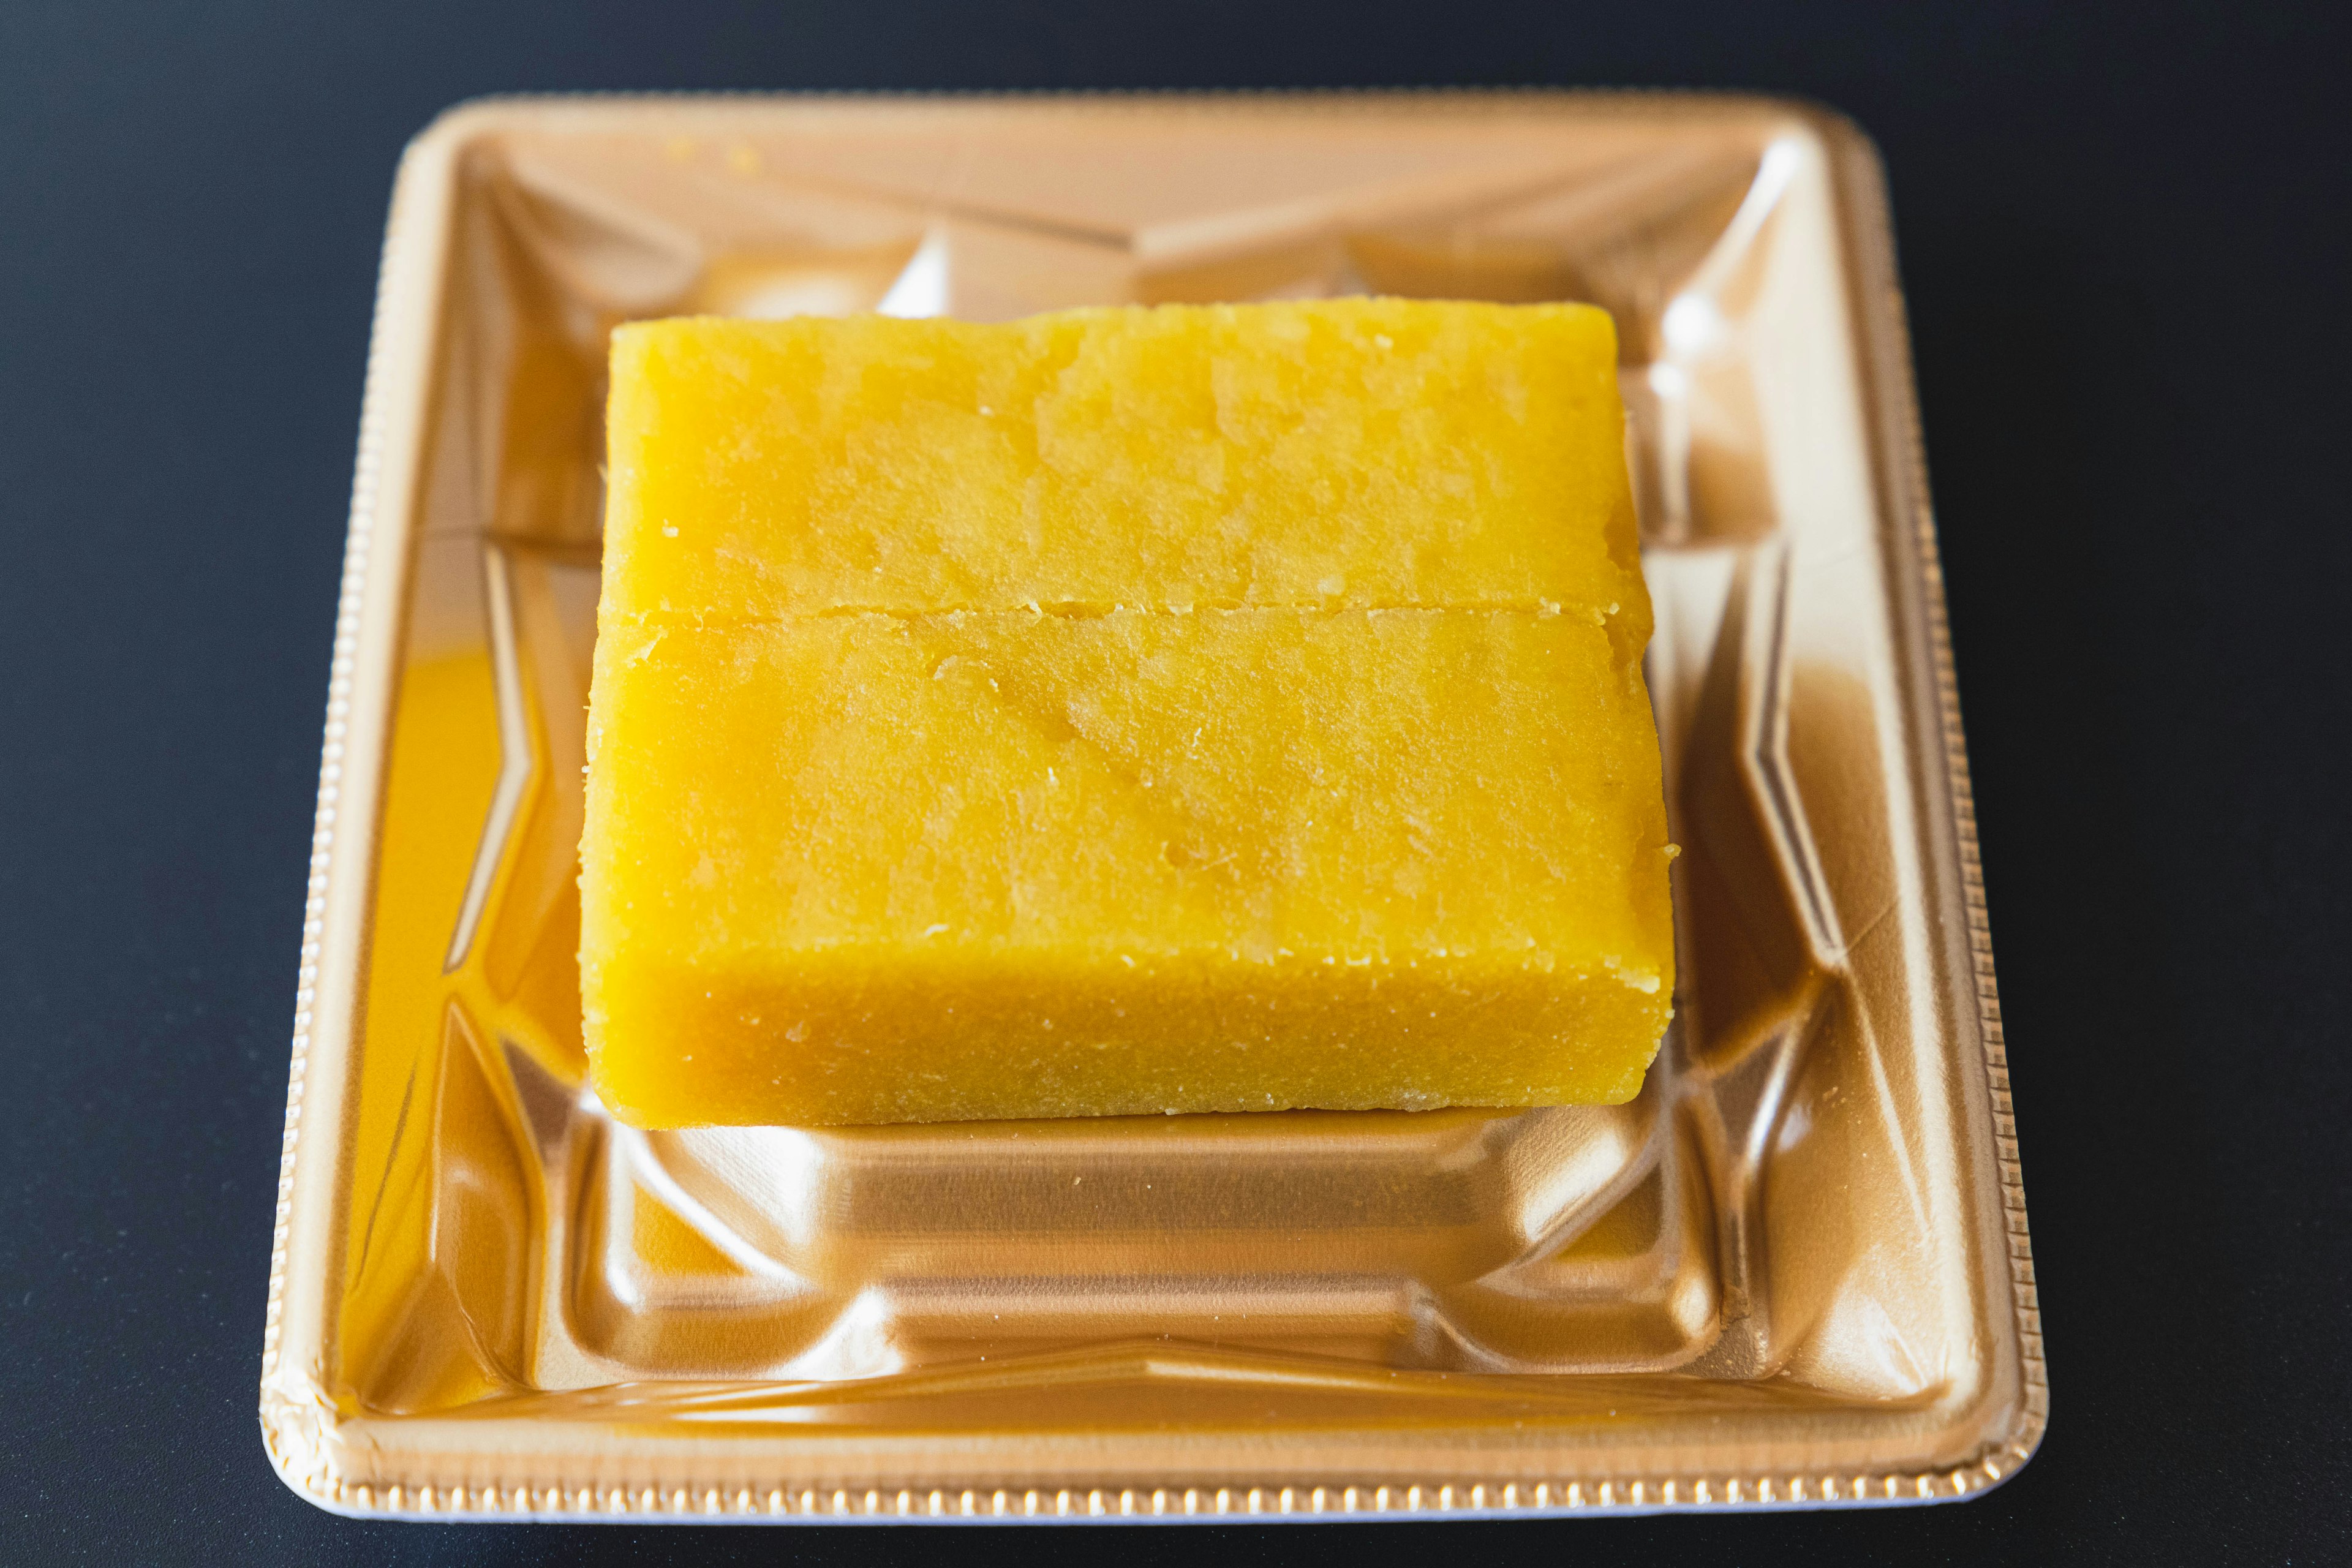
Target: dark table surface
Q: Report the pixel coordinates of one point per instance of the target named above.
(2123, 235)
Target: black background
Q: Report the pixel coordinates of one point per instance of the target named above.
(2123, 233)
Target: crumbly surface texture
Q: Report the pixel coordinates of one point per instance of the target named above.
(1192, 709)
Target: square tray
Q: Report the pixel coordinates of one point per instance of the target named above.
(1794, 1272)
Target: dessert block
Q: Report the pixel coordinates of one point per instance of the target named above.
(1218, 708)
(1356, 453)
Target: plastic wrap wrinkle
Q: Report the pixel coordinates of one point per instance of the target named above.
(1791, 1273)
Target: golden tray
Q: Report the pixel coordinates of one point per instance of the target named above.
(1794, 1273)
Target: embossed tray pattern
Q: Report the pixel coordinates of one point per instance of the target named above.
(1794, 1272)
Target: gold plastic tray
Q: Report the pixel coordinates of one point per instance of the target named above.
(1794, 1273)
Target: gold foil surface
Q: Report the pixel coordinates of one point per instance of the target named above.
(1794, 1272)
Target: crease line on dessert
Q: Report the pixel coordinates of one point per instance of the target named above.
(1087, 610)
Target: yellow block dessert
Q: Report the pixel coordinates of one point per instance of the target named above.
(1359, 454)
(1258, 722)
